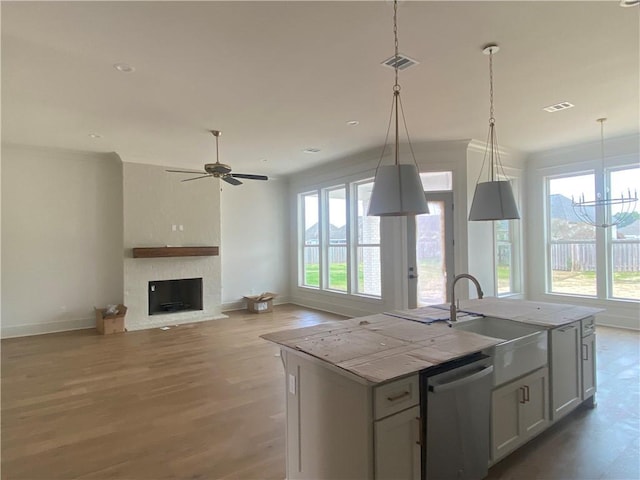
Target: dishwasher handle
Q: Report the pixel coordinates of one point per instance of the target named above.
(443, 387)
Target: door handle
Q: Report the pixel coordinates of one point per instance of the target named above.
(412, 276)
(522, 400)
(585, 351)
(526, 393)
(420, 440)
(442, 387)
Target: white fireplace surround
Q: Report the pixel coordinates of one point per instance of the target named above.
(154, 202)
(138, 272)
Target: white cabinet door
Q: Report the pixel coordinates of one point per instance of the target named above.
(519, 411)
(566, 369)
(397, 446)
(534, 412)
(588, 366)
(505, 419)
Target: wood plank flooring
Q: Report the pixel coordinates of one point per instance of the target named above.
(206, 401)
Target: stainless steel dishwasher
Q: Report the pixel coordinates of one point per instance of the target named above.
(456, 406)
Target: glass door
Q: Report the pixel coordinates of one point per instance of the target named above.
(430, 251)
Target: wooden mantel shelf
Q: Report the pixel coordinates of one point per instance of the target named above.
(156, 252)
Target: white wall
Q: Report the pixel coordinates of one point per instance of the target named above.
(255, 241)
(61, 238)
(154, 201)
(619, 151)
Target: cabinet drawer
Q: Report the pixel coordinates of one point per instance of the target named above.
(396, 396)
(588, 326)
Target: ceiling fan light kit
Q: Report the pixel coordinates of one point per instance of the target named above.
(219, 170)
(493, 199)
(397, 188)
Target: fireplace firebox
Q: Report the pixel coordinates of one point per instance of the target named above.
(170, 296)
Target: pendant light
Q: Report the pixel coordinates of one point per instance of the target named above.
(598, 212)
(397, 188)
(493, 199)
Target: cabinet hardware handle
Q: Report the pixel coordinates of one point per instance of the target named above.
(566, 329)
(399, 396)
(522, 400)
(585, 351)
(420, 440)
(526, 393)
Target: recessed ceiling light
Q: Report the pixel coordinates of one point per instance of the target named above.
(124, 67)
(558, 106)
(311, 150)
(95, 135)
(629, 3)
(353, 123)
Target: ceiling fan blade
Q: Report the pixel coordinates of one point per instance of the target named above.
(249, 177)
(186, 171)
(231, 180)
(196, 178)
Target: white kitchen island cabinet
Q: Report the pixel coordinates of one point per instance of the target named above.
(588, 367)
(398, 446)
(566, 369)
(329, 422)
(519, 411)
(355, 388)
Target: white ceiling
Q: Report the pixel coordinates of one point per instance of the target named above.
(278, 77)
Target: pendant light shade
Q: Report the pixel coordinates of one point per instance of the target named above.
(397, 190)
(494, 201)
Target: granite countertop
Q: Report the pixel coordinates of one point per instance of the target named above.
(381, 347)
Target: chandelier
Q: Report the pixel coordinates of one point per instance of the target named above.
(397, 189)
(598, 212)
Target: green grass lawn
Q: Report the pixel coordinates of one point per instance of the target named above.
(625, 284)
(337, 276)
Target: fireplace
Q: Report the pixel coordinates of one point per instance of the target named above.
(170, 296)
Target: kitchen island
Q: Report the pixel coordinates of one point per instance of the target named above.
(357, 389)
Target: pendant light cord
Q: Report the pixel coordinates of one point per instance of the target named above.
(396, 104)
(492, 137)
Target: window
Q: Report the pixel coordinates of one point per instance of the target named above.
(589, 261)
(507, 257)
(624, 270)
(340, 244)
(367, 243)
(572, 244)
(337, 230)
(311, 240)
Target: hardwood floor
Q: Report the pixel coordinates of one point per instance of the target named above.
(206, 401)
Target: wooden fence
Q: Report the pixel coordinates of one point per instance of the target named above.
(581, 256)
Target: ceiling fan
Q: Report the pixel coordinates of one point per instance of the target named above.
(219, 170)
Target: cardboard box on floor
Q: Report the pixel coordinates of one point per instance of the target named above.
(107, 324)
(262, 303)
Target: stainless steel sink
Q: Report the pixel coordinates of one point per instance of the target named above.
(522, 350)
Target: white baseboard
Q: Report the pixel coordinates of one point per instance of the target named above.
(617, 321)
(49, 327)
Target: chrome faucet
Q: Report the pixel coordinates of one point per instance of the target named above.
(453, 310)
